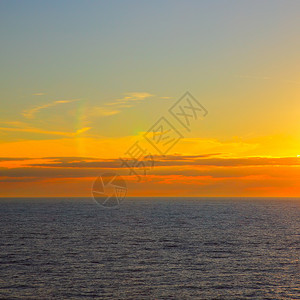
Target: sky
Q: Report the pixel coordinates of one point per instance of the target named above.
(83, 81)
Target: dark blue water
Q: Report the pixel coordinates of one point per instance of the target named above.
(150, 249)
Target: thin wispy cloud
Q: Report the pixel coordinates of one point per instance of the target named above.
(192, 161)
(102, 111)
(13, 123)
(254, 77)
(115, 107)
(292, 81)
(267, 78)
(38, 94)
(130, 99)
(30, 113)
(48, 132)
(139, 95)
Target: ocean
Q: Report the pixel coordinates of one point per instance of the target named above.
(150, 248)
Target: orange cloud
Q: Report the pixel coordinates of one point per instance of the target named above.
(29, 113)
(48, 132)
(204, 175)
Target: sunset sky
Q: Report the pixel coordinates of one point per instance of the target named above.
(82, 81)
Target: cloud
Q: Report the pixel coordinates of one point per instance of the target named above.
(192, 161)
(29, 113)
(102, 111)
(13, 123)
(114, 107)
(139, 96)
(130, 98)
(42, 172)
(84, 129)
(208, 174)
(4, 159)
(19, 179)
(255, 77)
(292, 81)
(167, 174)
(41, 131)
(268, 78)
(38, 94)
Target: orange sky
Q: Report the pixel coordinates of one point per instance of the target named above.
(82, 84)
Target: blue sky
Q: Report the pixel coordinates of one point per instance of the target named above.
(231, 54)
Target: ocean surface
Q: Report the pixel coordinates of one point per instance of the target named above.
(156, 248)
